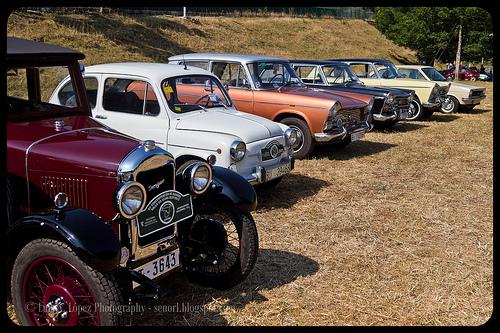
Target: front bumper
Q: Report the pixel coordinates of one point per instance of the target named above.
(384, 117)
(339, 134)
(473, 100)
(431, 105)
(258, 176)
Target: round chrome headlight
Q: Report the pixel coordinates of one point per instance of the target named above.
(199, 175)
(291, 136)
(238, 150)
(131, 199)
(390, 99)
(339, 122)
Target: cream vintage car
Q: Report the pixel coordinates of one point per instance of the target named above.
(187, 111)
(460, 96)
(381, 72)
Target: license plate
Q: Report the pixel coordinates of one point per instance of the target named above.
(404, 114)
(159, 266)
(278, 171)
(357, 136)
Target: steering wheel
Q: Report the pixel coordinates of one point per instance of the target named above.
(201, 98)
(274, 77)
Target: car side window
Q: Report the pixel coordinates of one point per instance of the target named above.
(130, 96)
(199, 64)
(231, 74)
(67, 95)
(361, 70)
(309, 74)
(413, 74)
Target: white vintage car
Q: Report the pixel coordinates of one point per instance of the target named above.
(460, 96)
(186, 111)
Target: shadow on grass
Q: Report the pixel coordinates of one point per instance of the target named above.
(291, 189)
(352, 150)
(400, 127)
(441, 118)
(144, 37)
(189, 304)
(474, 111)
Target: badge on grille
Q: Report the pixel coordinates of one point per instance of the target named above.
(272, 150)
(165, 209)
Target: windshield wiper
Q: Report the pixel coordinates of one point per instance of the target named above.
(192, 104)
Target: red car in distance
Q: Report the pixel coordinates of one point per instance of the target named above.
(465, 73)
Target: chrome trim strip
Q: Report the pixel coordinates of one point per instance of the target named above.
(291, 105)
(211, 150)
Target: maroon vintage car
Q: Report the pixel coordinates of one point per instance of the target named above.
(95, 217)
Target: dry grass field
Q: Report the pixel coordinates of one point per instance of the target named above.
(395, 229)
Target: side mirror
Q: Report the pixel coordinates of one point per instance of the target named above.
(82, 68)
(226, 86)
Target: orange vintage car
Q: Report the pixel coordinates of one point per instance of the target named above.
(269, 87)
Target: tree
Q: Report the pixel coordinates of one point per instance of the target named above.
(432, 31)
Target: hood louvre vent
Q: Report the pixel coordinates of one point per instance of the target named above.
(75, 188)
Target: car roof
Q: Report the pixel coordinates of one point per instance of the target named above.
(19, 49)
(232, 57)
(317, 62)
(360, 59)
(154, 71)
(413, 66)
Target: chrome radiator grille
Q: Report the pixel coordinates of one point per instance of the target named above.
(75, 188)
(350, 115)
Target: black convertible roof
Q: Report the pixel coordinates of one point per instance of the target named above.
(19, 49)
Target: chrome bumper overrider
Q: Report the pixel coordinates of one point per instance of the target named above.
(384, 118)
(338, 134)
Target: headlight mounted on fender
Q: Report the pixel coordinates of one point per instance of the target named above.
(238, 150)
(291, 137)
(390, 98)
(131, 199)
(199, 177)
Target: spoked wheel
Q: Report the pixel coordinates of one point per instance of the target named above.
(223, 248)
(58, 291)
(51, 286)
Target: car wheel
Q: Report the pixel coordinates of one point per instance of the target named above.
(473, 78)
(223, 247)
(52, 286)
(415, 112)
(450, 104)
(306, 143)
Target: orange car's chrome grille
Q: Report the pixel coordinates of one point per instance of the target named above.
(76, 189)
(350, 115)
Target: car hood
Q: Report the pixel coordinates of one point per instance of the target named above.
(345, 101)
(408, 83)
(247, 127)
(83, 146)
(464, 87)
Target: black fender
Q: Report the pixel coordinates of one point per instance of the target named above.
(92, 239)
(227, 185)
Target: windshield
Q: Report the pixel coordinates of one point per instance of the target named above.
(339, 74)
(273, 75)
(433, 74)
(194, 92)
(387, 70)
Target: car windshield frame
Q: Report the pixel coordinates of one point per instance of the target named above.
(286, 65)
(440, 78)
(197, 107)
(48, 110)
(392, 69)
(352, 76)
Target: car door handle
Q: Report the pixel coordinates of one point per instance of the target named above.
(101, 116)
